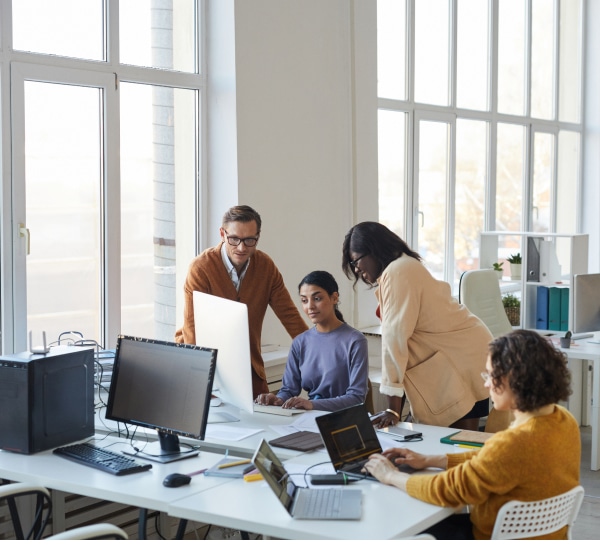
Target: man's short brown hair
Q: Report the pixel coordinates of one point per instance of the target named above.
(242, 214)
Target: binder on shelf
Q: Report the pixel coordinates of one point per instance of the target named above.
(533, 260)
(564, 308)
(554, 308)
(541, 318)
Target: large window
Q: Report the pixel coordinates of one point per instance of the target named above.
(105, 163)
(479, 122)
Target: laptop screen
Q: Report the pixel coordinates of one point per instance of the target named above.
(348, 435)
(274, 473)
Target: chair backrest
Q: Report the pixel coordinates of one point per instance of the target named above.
(479, 291)
(43, 509)
(97, 531)
(517, 520)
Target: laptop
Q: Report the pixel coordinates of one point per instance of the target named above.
(350, 437)
(302, 502)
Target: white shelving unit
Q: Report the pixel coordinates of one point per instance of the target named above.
(548, 259)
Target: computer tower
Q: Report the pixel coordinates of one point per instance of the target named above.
(46, 400)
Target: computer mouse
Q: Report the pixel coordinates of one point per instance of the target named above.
(176, 480)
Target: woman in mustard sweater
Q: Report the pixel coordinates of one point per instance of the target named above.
(536, 458)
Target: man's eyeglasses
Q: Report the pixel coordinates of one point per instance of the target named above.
(354, 263)
(235, 241)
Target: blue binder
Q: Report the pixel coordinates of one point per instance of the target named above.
(541, 318)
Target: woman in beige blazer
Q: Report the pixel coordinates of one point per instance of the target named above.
(433, 348)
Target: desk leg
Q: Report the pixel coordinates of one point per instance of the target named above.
(142, 524)
(595, 461)
(576, 400)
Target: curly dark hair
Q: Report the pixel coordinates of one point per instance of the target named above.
(377, 240)
(535, 370)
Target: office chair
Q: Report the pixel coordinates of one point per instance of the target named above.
(479, 291)
(97, 531)
(518, 520)
(43, 510)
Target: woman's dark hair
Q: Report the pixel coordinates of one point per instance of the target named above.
(376, 240)
(325, 281)
(535, 371)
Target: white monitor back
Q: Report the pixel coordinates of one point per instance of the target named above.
(223, 324)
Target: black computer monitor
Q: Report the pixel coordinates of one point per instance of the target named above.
(165, 386)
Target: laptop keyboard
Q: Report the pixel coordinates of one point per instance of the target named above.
(316, 503)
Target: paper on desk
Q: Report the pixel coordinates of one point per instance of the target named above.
(230, 433)
(305, 422)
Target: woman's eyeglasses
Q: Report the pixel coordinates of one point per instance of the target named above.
(354, 263)
(486, 376)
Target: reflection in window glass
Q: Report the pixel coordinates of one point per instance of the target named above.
(542, 59)
(568, 173)
(431, 52)
(391, 49)
(509, 177)
(569, 90)
(63, 181)
(158, 34)
(471, 175)
(158, 174)
(71, 28)
(472, 55)
(433, 181)
(392, 169)
(511, 56)
(543, 167)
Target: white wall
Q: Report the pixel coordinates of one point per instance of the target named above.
(305, 135)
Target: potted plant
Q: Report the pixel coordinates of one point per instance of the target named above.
(512, 307)
(498, 269)
(515, 266)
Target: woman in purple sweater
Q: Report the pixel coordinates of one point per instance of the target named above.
(330, 361)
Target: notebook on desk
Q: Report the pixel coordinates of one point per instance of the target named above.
(302, 502)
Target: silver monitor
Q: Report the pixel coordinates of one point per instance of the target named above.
(586, 303)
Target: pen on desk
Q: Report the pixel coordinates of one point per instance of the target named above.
(234, 463)
(198, 472)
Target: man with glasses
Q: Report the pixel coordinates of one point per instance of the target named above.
(236, 270)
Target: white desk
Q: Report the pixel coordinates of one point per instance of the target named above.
(388, 513)
(231, 503)
(585, 350)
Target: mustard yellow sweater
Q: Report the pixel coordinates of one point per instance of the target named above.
(261, 287)
(535, 460)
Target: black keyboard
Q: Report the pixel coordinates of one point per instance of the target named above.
(102, 459)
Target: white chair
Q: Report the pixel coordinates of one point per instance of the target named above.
(41, 515)
(98, 531)
(479, 291)
(518, 520)
(11, 493)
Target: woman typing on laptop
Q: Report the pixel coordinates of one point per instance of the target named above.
(537, 457)
(330, 362)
